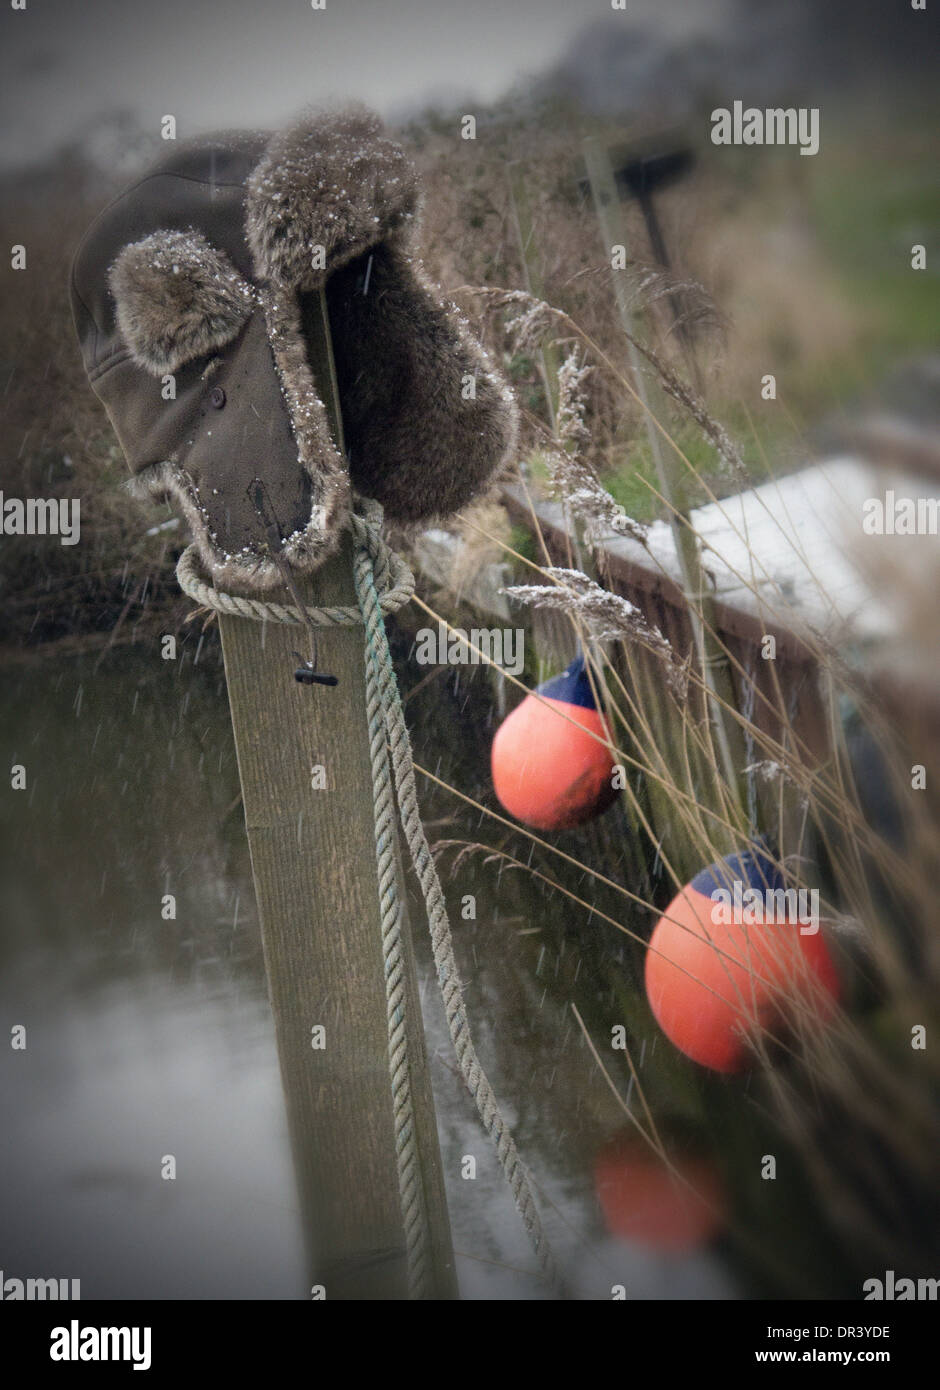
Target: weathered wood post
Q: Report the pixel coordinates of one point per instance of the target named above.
(303, 759)
(532, 277)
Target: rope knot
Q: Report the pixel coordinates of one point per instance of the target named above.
(393, 580)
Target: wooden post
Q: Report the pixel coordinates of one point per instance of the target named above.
(549, 363)
(673, 485)
(313, 861)
(532, 275)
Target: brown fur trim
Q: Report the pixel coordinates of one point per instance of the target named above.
(330, 181)
(177, 298)
(248, 569)
(315, 447)
(415, 439)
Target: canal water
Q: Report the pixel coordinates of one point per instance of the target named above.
(149, 1036)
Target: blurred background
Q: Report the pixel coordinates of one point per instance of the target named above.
(149, 1036)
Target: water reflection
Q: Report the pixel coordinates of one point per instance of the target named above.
(131, 954)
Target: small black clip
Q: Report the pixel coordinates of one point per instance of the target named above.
(306, 675)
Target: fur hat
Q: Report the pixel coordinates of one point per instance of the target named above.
(191, 293)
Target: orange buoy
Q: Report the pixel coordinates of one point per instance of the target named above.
(735, 953)
(645, 1201)
(549, 768)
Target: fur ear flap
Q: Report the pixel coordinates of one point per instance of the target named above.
(177, 298)
(332, 183)
(427, 419)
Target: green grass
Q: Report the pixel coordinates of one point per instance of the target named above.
(627, 484)
(631, 482)
(867, 202)
(522, 540)
(870, 209)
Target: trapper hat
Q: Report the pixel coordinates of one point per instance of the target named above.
(190, 295)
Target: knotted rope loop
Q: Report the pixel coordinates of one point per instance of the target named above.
(394, 582)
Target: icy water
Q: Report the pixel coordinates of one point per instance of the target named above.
(150, 1036)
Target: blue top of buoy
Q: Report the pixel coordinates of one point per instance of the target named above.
(573, 686)
(753, 868)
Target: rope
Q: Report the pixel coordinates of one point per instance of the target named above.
(411, 1192)
(441, 940)
(384, 584)
(393, 578)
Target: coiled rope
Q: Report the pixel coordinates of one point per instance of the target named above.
(384, 584)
